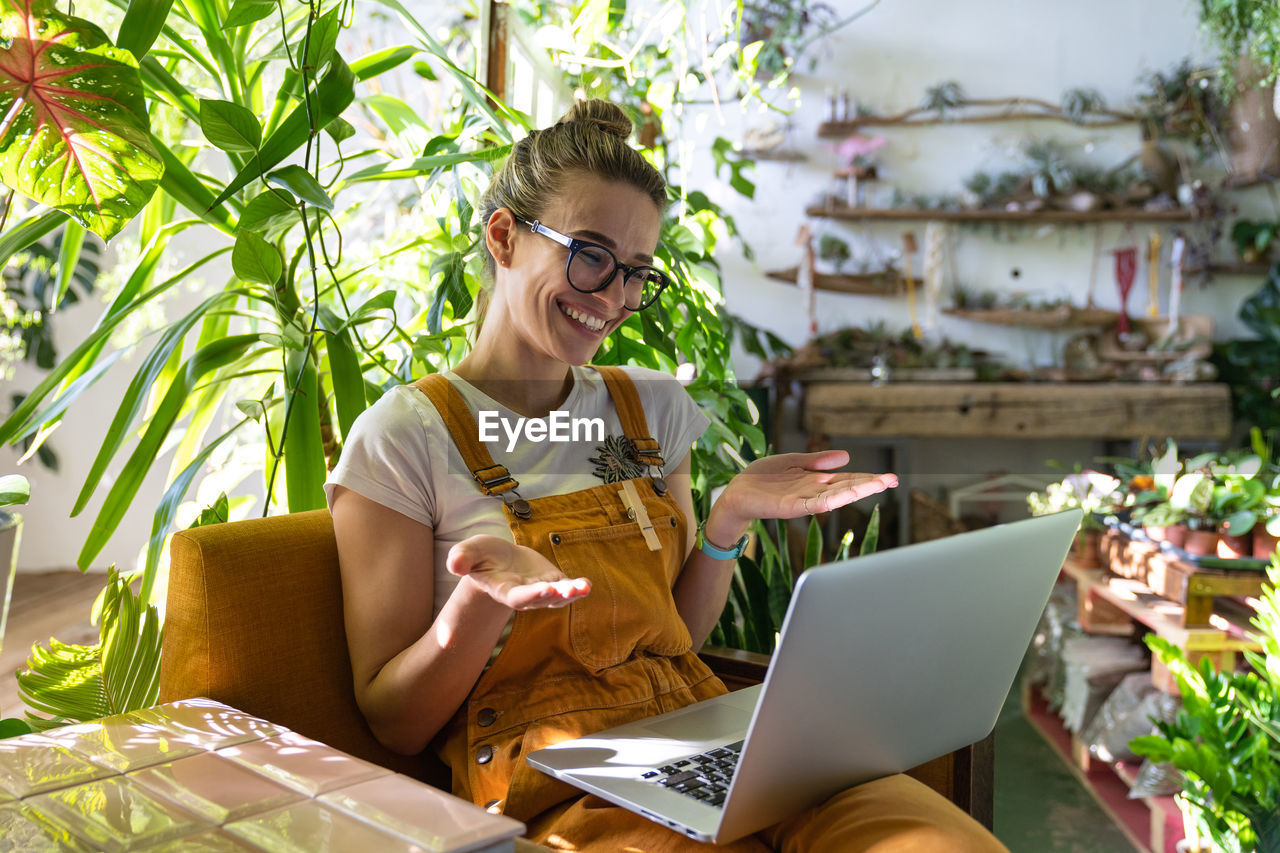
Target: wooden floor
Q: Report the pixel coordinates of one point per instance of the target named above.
(44, 605)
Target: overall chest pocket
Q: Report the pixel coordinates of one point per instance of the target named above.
(630, 605)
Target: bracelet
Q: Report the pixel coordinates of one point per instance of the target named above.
(712, 550)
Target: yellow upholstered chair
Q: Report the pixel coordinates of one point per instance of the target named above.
(254, 619)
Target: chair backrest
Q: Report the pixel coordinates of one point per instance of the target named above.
(254, 619)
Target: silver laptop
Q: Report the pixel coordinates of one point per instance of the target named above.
(884, 662)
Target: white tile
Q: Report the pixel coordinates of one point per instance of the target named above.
(122, 745)
(32, 764)
(216, 788)
(430, 817)
(115, 814)
(311, 827)
(303, 764)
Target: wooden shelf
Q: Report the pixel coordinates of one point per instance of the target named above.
(1018, 410)
(780, 155)
(1063, 316)
(1191, 587)
(1152, 824)
(1039, 217)
(885, 283)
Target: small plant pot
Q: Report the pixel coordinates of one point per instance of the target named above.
(1174, 534)
(1086, 549)
(1234, 547)
(1201, 543)
(1264, 544)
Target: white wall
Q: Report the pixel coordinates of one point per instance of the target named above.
(887, 60)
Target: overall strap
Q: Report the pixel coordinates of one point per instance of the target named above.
(493, 479)
(631, 413)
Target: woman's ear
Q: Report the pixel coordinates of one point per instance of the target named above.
(500, 236)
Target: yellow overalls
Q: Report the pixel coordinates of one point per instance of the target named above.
(619, 654)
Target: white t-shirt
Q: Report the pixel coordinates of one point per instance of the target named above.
(400, 455)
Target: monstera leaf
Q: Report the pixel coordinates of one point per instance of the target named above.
(73, 125)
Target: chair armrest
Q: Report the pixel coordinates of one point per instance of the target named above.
(965, 776)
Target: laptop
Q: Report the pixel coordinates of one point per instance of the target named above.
(884, 662)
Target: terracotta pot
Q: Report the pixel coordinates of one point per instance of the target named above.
(1086, 549)
(1234, 547)
(1174, 534)
(1201, 543)
(1264, 544)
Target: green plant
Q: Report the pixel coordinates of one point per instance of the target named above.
(832, 248)
(1239, 28)
(1092, 491)
(120, 673)
(784, 29)
(1179, 104)
(245, 110)
(14, 490)
(762, 588)
(1251, 366)
(1226, 738)
(1253, 239)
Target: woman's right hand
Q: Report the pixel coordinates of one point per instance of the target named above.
(514, 575)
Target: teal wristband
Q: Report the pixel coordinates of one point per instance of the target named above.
(719, 553)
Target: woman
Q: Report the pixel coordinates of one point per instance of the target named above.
(499, 596)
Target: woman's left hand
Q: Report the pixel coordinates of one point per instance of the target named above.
(788, 485)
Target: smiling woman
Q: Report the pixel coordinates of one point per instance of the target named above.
(499, 599)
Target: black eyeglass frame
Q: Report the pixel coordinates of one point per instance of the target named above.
(574, 245)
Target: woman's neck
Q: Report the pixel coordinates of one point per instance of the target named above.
(531, 387)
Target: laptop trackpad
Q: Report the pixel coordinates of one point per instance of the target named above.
(723, 718)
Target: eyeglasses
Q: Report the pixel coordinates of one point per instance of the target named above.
(592, 267)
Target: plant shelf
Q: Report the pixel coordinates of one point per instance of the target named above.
(1039, 217)
(886, 283)
(1055, 318)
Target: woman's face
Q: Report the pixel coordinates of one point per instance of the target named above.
(541, 307)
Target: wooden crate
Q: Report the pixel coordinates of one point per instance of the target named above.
(1112, 605)
(1192, 586)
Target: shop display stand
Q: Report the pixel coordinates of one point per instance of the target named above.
(1111, 605)
(1152, 824)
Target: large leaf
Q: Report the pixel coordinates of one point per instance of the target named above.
(14, 489)
(304, 469)
(74, 133)
(142, 23)
(120, 673)
(205, 361)
(332, 95)
(168, 509)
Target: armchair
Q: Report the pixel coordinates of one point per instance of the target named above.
(254, 619)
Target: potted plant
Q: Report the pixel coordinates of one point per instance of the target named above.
(1236, 501)
(1226, 738)
(1094, 492)
(1247, 35)
(1163, 522)
(1254, 239)
(14, 490)
(1192, 494)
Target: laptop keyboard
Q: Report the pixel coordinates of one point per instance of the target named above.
(704, 777)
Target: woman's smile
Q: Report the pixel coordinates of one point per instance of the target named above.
(586, 320)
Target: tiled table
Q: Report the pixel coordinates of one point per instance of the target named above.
(197, 775)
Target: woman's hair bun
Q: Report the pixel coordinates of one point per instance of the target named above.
(605, 115)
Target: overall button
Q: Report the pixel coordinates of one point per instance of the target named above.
(484, 755)
(492, 806)
(486, 717)
(555, 538)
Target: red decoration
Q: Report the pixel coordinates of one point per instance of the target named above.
(1126, 271)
